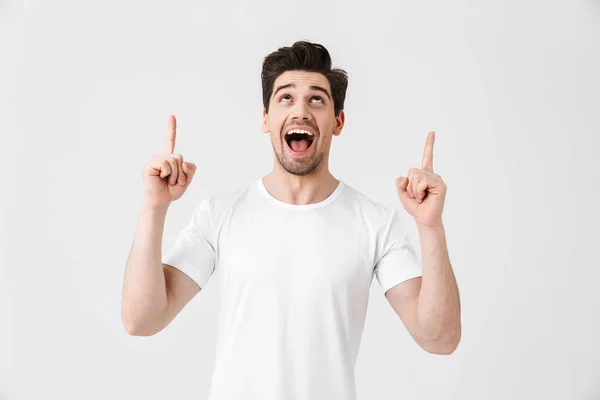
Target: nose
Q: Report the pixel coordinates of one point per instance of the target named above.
(300, 112)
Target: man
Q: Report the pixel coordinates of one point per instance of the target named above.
(294, 252)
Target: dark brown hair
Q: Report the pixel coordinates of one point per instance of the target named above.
(304, 56)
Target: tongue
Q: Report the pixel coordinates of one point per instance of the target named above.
(299, 145)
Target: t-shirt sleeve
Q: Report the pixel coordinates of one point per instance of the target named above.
(193, 251)
(398, 260)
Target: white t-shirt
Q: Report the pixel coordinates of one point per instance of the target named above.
(294, 283)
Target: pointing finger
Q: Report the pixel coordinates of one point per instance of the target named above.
(169, 144)
(428, 152)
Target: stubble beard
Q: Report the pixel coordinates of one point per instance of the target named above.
(298, 168)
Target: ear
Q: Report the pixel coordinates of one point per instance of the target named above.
(339, 123)
(265, 127)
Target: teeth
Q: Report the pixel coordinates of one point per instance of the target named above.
(301, 131)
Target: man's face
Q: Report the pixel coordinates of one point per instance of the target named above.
(301, 99)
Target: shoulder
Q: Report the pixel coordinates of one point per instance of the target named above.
(217, 206)
(376, 212)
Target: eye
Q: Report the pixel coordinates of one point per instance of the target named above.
(320, 99)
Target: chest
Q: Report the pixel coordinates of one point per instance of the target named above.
(298, 254)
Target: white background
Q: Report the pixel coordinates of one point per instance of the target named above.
(512, 89)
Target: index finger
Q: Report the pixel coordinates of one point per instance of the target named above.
(428, 152)
(169, 144)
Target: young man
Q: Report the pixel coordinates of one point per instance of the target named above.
(294, 252)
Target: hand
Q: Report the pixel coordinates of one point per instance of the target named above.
(422, 192)
(166, 175)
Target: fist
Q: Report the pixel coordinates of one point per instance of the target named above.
(423, 192)
(166, 175)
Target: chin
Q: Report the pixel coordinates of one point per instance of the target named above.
(301, 167)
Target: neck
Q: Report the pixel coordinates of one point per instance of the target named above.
(300, 190)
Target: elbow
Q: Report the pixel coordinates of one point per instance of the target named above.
(131, 328)
(134, 329)
(138, 321)
(445, 348)
(135, 326)
(444, 345)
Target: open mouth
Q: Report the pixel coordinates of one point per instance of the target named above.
(299, 142)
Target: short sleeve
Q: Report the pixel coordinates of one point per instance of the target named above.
(398, 260)
(193, 252)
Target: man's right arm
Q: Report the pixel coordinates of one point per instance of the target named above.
(153, 292)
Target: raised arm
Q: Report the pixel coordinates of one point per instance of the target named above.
(153, 292)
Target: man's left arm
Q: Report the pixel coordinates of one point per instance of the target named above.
(428, 305)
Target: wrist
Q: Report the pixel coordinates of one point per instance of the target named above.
(154, 208)
(437, 227)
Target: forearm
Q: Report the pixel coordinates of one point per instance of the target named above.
(144, 290)
(438, 305)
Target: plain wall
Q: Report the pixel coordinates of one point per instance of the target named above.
(512, 89)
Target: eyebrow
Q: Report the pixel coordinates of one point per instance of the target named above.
(313, 87)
